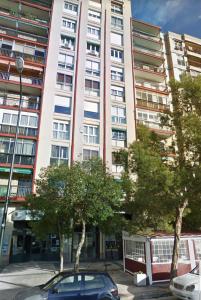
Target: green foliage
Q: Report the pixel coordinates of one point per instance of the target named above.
(85, 191)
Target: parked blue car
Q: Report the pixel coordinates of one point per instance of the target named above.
(74, 286)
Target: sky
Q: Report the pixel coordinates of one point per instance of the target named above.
(181, 16)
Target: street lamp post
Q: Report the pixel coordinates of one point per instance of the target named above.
(19, 63)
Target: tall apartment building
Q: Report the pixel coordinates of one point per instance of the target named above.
(151, 76)
(184, 54)
(78, 100)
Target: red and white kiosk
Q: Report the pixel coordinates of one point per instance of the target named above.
(152, 254)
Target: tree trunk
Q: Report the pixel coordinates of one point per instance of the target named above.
(61, 252)
(81, 243)
(177, 235)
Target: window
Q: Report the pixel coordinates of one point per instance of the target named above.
(180, 61)
(89, 154)
(61, 131)
(117, 93)
(67, 42)
(93, 282)
(116, 39)
(93, 32)
(64, 81)
(69, 24)
(197, 245)
(24, 147)
(117, 73)
(59, 155)
(92, 88)
(118, 115)
(91, 110)
(149, 97)
(71, 8)
(118, 138)
(62, 105)
(117, 55)
(66, 61)
(135, 250)
(93, 49)
(162, 250)
(117, 8)
(10, 122)
(178, 45)
(92, 67)
(94, 15)
(91, 134)
(117, 23)
(69, 284)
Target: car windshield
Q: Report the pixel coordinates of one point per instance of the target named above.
(52, 282)
(196, 270)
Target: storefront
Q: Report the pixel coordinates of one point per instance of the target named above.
(152, 255)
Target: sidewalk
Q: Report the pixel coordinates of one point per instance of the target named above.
(18, 276)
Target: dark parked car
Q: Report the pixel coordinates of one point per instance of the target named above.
(74, 286)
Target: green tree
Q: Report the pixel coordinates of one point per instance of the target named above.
(84, 193)
(167, 168)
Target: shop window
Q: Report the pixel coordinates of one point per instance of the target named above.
(135, 250)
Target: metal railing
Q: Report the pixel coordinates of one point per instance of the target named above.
(30, 103)
(118, 120)
(117, 77)
(16, 191)
(23, 35)
(27, 57)
(25, 79)
(152, 85)
(23, 16)
(92, 92)
(92, 72)
(151, 68)
(26, 131)
(149, 51)
(65, 86)
(64, 65)
(19, 159)
(146, 35)
(150, 104)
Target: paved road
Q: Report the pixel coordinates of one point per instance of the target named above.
(18, 276)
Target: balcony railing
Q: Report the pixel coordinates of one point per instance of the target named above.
(118, 120)
(93, 72)
(92, 92)
(149, 68)
(19, 159)
(117, 168)
(12, 77)
(26, 131)
(16, 191)
(25, 56)
(66, 66)
(30, 103)
(149, 51)
(146, 35)
(23, 35)
(117, 77)
(151, 85)
(154, 105)
(150, 124)
(65, 86)
(23, 16)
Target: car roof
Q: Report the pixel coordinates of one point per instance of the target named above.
(87, 272)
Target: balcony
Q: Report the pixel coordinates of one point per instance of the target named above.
(149, 68)
(65, 86)
(16, 191)
(28, 102)
(152, 105)
(117, 77)
(151, 85)
(23, 16)
(146, 35)
(23, 35)
(33, 81)
(117, 169)
(92, 72)
(23, 131)
(19, 159)
(157, 53)
(27, 57)
(65, 66)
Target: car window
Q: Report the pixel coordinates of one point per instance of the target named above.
(52, 282)
(69, 284)
(93, 282)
